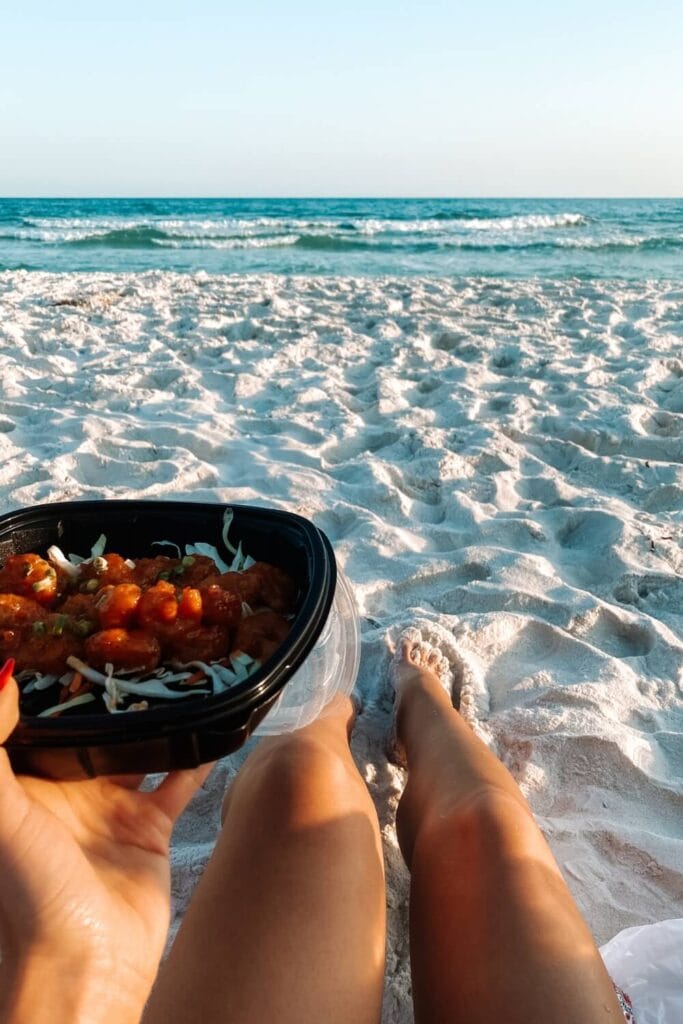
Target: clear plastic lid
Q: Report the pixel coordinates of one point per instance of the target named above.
(330, 668)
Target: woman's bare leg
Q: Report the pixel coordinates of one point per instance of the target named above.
(494, 933)
(287, 923)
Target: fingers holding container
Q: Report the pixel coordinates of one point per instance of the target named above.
(9, 700)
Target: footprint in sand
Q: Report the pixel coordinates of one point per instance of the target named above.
(500, 404)
(618, 637)
(352, 447)
(253, 426)
(428, 384)
(176, 439)
(95, 471)
(674, 399)
(668, 497)
(161, 379)
(437, 588)
(655, 593)
(447, 341)
(549, 493)
(337, 523)
(425, 487)
(589, 531)
(525, 656)
(139, 452)
(506, 359)
(663, 424)
(461, 345)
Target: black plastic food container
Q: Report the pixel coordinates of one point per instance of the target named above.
(188, 733)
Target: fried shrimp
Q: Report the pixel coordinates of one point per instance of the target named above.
(107, 570)
(81, 606)
(149, 571)
(276, 588)
(140, 616)
(124, 649)
(188, 642)
(117, 605)
(193, 570)
(262, 585)
(17, 611)
(30, 576)
(261, 634)
(221, 607)
(191, 605)
(158, 605)
(46, 649)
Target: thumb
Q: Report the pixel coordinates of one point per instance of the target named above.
(9, 700)
(12, 797)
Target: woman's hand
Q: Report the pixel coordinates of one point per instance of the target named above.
(84, 888)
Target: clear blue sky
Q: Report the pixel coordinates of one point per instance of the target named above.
(365, 97)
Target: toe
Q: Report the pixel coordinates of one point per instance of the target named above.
(427, 647)
(433, 658)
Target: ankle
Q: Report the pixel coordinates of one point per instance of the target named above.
(419, 699)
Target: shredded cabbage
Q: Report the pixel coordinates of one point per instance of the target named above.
(166, 543)
(83, 698)
(142, 688)
(58, 558)
(99, 546)
(38, 682)
(228, 517)
(210, 551)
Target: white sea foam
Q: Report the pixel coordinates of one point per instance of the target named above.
(258, 242)
(528, 222)
(65, 229)
(504, 458)
(59, 230)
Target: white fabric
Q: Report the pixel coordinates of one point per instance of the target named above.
(647, 963)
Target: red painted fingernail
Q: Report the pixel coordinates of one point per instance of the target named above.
(6, 673)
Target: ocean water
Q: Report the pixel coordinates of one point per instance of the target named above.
(504, 238)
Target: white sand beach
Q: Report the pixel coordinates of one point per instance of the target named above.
(504, 458)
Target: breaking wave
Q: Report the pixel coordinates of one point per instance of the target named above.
(374, 236)
(122, 238)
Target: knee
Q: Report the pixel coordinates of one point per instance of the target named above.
(299, 778)
(491, 822)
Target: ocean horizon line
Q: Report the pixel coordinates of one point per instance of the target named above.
(329, 197)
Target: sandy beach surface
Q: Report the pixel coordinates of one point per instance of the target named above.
(504, 458)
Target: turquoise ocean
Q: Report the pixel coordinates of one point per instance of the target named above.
(503, 238)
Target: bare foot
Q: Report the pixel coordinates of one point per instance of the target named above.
(423, 652)
(427, 648)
